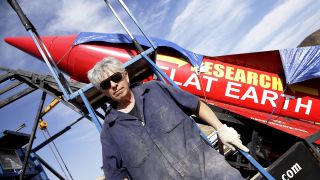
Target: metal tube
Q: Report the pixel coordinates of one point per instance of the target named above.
(20, 127)
(159, 72)
(52, 70)
(11, 86)
(59, 74)
(136, 22)
(33, 133)
(45, 164)
(50, 106)
(256, 165)
(31, 29)
(134, 41)
(55, 136)
(119, 19)
(95, 120)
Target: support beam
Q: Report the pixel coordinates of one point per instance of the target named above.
(11, 86)
(33, 134)
(56, 135)
(45, 164)
(5, 77)
(17, 96)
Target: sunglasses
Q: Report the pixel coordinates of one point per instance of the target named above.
(116, 77)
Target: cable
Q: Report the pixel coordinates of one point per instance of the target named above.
(274, 109)
(59, 155)
(55, 156)
(198, 72)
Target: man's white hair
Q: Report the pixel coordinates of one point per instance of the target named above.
(97, 74)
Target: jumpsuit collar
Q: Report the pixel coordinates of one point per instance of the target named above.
(138, 92)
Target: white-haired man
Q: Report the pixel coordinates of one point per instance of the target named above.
(148, 134)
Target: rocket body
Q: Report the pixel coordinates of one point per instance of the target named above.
(74, 60)
(247, 84)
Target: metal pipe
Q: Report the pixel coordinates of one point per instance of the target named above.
(136, 22)
(134, 41)
(34, 130)
(32, 30)
(119, 19)
(20, 127)
(256, 165)
(55, 136)
(95, 120)
(45, 164)
(52, 70)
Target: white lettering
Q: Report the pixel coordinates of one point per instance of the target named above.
(286, 101)
(283, 177)
(193, 80)
(271, 99)
(290, 173)
(163, 67)
(172, 75)
(229, 89)
(251, 93)
(209, 83)
(296, 168)
(307, 106)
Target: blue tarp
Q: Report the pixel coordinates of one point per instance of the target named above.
(85, 37)
(301, 64)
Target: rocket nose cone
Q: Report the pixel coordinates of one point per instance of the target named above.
(27, 45)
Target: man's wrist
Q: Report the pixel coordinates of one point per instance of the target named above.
(220, 126)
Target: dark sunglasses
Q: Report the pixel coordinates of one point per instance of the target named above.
(116, 77)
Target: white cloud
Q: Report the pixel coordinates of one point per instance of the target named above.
(82, 15)
(272, 24)
(295, 34)
(227, 29)
(204, 25)
(157, 15)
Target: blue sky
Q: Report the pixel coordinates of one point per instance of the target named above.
(202, 26)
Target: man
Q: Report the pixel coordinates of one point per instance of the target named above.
(148, 134)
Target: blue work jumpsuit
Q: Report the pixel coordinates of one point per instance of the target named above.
(167, 146)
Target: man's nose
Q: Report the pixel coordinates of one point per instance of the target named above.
(113, 84)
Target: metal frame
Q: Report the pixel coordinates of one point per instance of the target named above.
(65, 88)
(48, 85)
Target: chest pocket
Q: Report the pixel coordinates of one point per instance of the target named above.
(168, 119)
(134, 149)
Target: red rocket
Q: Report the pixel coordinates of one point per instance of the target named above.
(253, 85)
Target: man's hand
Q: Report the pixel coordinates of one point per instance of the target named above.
(231, 138)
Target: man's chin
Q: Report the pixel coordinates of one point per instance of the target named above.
(118, 94)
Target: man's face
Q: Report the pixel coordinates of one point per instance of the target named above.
(117, 90)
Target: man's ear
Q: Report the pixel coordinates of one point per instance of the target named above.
(127, 76)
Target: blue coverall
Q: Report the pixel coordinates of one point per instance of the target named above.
(167, 146)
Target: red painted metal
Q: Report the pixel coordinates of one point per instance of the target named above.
(249, 84)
